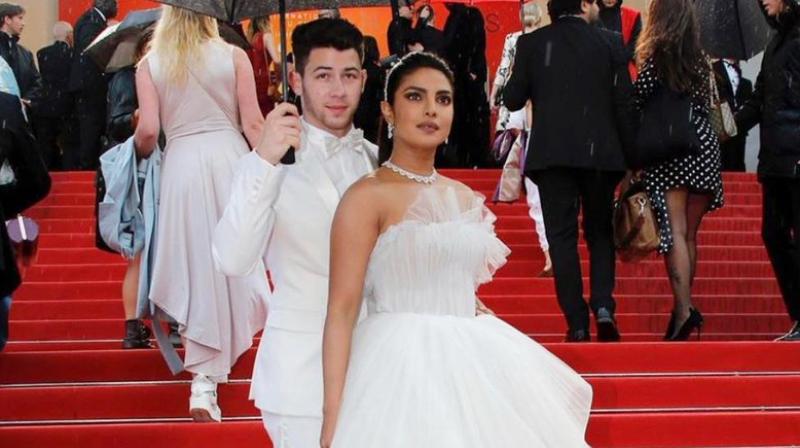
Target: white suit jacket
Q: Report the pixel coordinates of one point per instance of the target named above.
(284, 214)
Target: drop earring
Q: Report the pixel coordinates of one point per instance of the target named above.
(390, 131)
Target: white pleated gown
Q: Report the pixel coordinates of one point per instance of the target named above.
(424, 371)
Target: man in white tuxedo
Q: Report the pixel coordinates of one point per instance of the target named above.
(284, 213)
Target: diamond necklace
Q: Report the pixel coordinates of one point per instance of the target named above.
(428, 180)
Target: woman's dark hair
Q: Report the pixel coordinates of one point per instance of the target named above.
(558, 8)
(325, 33)
(671, 37)
(409, 64)
(371, 53)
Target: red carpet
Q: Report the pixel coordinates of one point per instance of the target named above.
(65, 383)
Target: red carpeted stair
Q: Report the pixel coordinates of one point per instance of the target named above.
(65, 383)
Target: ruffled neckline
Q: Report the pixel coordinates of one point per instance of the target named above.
(436, 205)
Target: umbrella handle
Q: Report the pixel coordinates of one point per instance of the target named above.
(288, 158)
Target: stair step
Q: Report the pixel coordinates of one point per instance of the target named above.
(590, 358)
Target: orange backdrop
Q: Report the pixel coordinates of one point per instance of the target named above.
(501, 18)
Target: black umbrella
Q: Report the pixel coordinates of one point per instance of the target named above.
(115, 47)
(234, 11)
(732, 29)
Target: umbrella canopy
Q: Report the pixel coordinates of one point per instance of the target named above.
(732, 29)
(115, 47)
(234, 11)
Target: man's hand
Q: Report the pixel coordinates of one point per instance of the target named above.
(280, 132)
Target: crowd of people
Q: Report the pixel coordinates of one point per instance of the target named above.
(373, 256)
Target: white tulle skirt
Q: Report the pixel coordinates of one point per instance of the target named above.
(420, 381)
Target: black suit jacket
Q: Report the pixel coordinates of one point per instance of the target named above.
(85, 74)
(20, 59)
(55, 64)
(576, 76)
(31, 185)
(122, 103)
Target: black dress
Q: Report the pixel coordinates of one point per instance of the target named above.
(700, 173)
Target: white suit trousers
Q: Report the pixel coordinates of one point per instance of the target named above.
(292, 432)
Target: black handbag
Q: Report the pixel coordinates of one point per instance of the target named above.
(665, 129)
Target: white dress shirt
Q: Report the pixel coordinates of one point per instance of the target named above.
(733, 75)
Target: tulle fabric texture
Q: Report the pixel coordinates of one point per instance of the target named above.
(424, 371)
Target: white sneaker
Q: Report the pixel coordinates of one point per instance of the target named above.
(203, 401)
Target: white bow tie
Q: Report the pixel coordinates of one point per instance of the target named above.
(352, 141)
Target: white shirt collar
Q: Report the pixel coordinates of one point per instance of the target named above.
(317, 137)
(101, 15)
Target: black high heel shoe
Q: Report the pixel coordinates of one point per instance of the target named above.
(670, 327)
(695, 321)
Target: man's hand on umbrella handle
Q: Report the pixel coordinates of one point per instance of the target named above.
(280, 132)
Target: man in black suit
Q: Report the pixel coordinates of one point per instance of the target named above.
(575, 74)
(736, 90)
(19, 58)
(54, 113)
(89, 85)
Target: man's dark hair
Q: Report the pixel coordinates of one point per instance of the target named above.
(10, 10)
(558, 8)
(325, 33)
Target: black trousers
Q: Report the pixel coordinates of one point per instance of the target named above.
(564, 192)
(780, 229)
(56, 136)
(90, 110)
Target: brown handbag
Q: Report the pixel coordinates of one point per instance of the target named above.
(720, 114)
(636, 233)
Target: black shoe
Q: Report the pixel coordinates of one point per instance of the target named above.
(694, 321)
(606, 326)
(670, 327)
(580, 335)
(137, 335)
(793, 334)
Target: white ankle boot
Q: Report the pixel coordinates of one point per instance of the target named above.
(203, 401)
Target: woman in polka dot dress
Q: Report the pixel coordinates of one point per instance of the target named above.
(684, 189)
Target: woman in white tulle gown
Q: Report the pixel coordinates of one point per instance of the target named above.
(422, 370)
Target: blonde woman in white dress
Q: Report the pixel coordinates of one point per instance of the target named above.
(201, 92)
